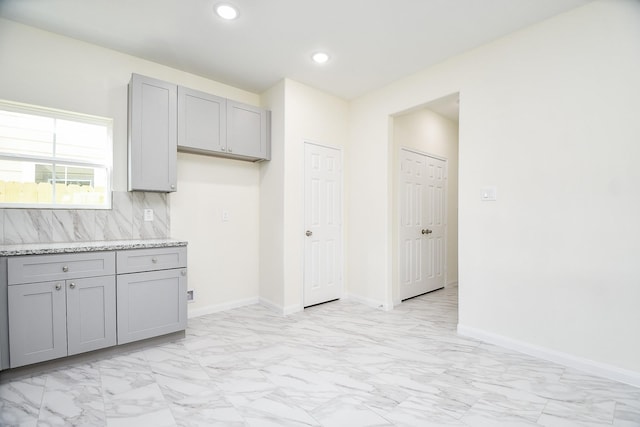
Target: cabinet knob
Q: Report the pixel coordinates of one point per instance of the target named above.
(154, 260)
(58, 286)
(223, 149)
(72, 285)
(65, 268)
(229, 150)
(183, 272)
(173, 186)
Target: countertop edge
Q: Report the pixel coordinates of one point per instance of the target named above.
(76, 247)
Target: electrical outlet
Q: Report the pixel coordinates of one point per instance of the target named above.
(148, 214)
(191, 295)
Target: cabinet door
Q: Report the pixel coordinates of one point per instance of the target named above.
(37, 323)
(91, 313)
(247, 131)
(151, 304)
(201, 121)
(152, 134)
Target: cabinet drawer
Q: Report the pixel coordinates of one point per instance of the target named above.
(43, 268)
(138, 260)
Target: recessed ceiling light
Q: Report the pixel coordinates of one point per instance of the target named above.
(226, 11)
(320, 57)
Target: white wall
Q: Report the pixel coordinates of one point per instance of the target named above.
(299, 113)
(223, 256)
(549, 116)
(272, 215)
(46, 69)
(312, 116)
(431, 133)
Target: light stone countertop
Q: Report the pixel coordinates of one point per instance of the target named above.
(72, 247)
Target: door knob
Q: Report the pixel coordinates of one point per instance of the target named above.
(427, 231)
(308, 233)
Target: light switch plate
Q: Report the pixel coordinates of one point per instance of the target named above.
(488, 194)
(225, 215)
(148, 214)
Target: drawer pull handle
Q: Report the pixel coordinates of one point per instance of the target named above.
(72, 285)
(58, 286)
(65, 268)
(154, 260)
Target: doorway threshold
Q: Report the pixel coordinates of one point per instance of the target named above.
(407, 299)
(320, 303)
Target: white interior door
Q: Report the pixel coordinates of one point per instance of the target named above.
(423, 183)
(323, 224)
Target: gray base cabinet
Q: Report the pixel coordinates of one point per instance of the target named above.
(152, 292)
(67, 304)
(151, 304)
(72, 312)
(55, 319)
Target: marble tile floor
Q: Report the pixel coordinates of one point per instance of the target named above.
(339, 364)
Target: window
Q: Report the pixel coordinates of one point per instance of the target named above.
(54, 159)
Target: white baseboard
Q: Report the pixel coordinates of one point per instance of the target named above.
(592, 367)
(215, 308)
(292, 309)
(270, 305)
(285, 311)
(368, 302)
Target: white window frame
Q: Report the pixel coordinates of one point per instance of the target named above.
(55, 160)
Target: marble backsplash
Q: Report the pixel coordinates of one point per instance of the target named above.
(124, 221)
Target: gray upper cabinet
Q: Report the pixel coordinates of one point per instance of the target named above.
(201, 121)
(211, 125)
(248, 131)
(152, 134)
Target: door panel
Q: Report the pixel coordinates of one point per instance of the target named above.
(422, 223)
(323, 222)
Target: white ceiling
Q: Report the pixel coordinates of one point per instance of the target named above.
(371, 42)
